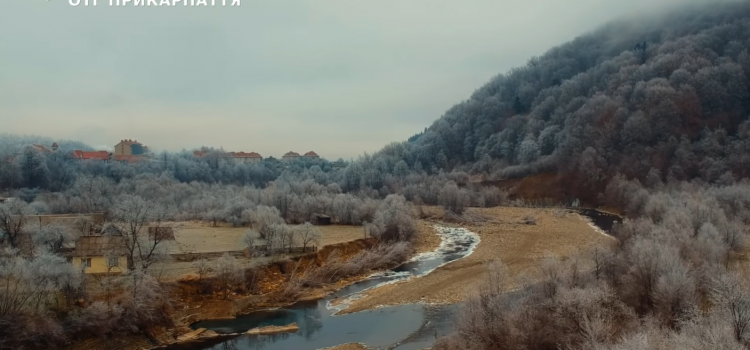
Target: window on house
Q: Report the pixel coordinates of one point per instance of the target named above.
(87, 262)
(113, 261)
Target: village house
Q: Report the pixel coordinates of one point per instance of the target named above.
(238, 157)
(105, 254)
(92, 155)
(290, 156)
(243, 157)
(294, 155)
(312, 155)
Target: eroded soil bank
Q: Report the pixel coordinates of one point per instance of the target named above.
(191, 304)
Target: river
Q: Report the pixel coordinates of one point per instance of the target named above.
(405, 327)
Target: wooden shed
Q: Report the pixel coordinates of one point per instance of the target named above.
(321, 219)
(161, 233)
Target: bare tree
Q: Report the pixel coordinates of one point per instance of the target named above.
(51, 238)
(731, 293)
(13, 217)
(453, 198)
(228, 273)
(131, 217)
(308, 234)
(203, 267)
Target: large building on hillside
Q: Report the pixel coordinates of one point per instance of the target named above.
(130, 151)
(130, 148)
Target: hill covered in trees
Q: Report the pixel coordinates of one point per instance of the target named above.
(654, 98)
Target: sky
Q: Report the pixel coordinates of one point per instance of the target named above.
(338, 77)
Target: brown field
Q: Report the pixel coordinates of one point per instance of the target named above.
(198, 237)
(504, 237)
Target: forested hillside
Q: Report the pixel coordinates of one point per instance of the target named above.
(659, 98)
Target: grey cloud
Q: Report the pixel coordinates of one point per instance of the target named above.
(336, 76)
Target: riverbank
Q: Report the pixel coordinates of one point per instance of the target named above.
(193, 311)
(518, 237)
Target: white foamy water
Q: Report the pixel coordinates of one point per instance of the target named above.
(453, 241)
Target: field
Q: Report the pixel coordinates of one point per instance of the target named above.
(504, 237)
(198, 237)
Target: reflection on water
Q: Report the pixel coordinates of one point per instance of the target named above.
(413, 324)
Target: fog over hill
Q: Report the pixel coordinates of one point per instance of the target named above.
(661, 97)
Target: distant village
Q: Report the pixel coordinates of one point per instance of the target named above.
(132, 151)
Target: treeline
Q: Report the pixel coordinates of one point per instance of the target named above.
(676, 279)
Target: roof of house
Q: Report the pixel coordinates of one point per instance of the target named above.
(100, 246)
(130, 142)
(128, 158)
(291, 154)
(54, 144)
(199, 153)
(100, 155)
(245, 155)
(311, 154)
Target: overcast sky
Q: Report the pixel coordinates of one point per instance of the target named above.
(339, 77)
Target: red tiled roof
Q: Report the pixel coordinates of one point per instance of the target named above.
(129, 159)
(291, 154)
(100, 155)
(311, 154)
(245, 155)
(199, 153)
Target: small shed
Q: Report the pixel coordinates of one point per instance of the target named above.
(321, 219)
(161, 233)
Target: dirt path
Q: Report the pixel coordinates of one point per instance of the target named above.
(505, 237)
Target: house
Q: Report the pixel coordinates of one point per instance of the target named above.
(290, 156)
(94, 155)
(101, 254)
(130, 148)
(312, 155)
(239, 157)
(243, 157)
(321, 219)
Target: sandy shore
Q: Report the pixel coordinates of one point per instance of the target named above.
(505, 237)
